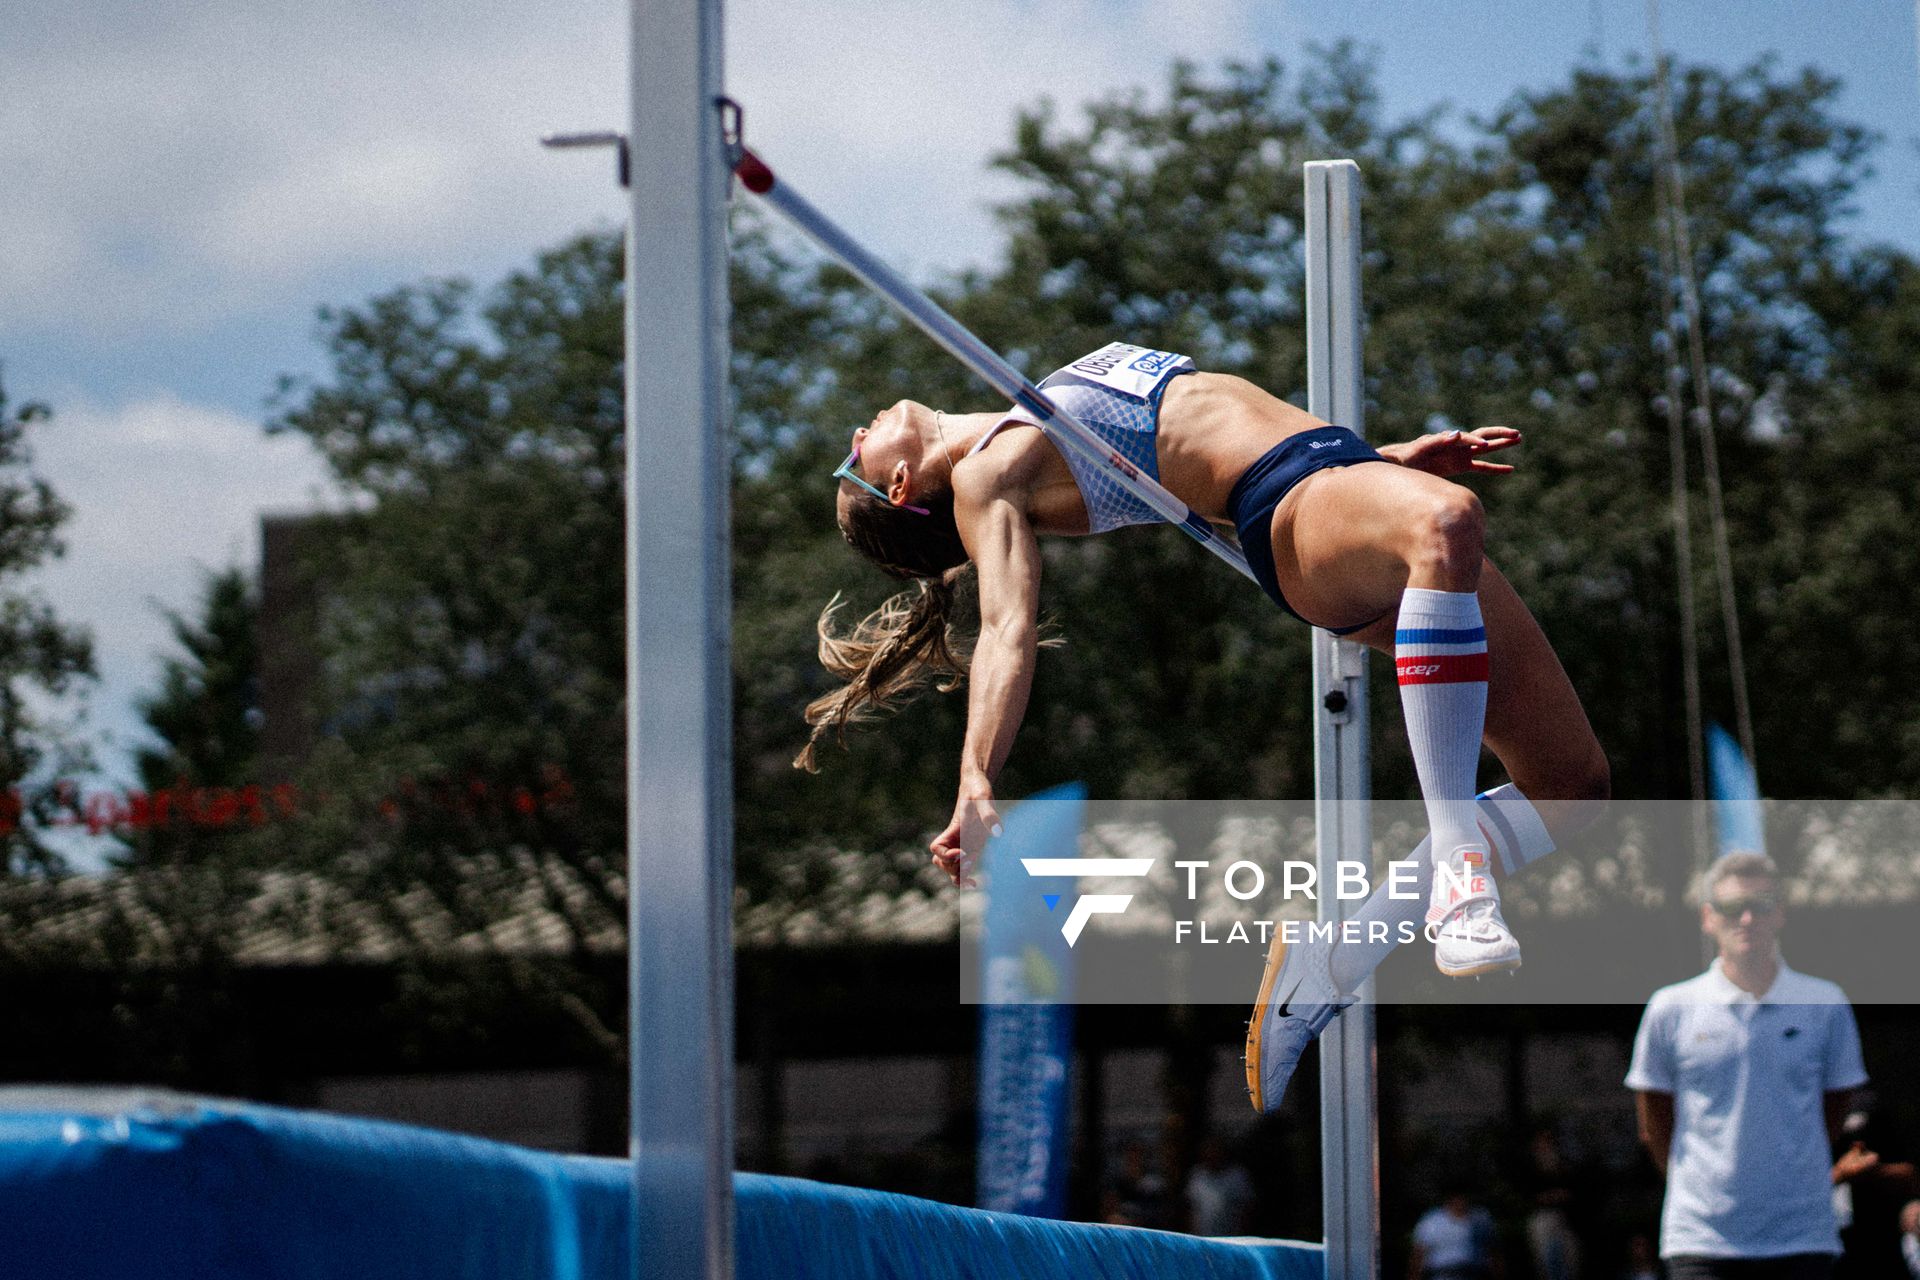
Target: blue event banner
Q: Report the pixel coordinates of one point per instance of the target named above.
(1026, 1020)
(1737, 811)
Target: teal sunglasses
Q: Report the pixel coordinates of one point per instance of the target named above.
(845, 472)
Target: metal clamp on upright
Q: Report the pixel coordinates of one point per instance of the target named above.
(752, 171)
(1347, 670)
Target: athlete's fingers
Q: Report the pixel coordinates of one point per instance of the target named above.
(951, 857)
(957, 865)
(1489, 438)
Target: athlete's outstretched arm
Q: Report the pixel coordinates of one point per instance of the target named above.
(1001, 543)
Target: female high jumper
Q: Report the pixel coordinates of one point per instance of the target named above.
(1375, 544)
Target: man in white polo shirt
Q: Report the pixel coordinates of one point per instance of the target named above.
(1743, 1076)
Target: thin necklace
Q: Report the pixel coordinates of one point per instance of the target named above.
(940, 425)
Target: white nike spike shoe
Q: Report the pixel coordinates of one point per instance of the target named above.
(1296, 1002)
(1464, 908)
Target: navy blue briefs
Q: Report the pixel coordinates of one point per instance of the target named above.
(1259, 490)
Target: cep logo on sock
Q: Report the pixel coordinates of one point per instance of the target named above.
(1441, 668)
(1089, 905)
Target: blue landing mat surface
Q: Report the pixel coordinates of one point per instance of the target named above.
(101, 1184)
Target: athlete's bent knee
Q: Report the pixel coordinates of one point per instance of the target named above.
(1448, 534)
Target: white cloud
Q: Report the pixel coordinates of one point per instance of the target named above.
(161, 491)
(212, 157)
(391, 192)
(887, 111)
(205, 158)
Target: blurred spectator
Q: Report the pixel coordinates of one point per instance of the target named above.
(1910, 1237)
(1137, 1195)
(1454, 1242)
(1551, 1241)
(1868, 1192)
(1742, 1077)
(1219, 1193)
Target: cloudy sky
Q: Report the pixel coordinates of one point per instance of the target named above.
(185, 183)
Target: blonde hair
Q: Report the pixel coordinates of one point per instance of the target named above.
(887, 658)
(890, 656)
(1741, 864)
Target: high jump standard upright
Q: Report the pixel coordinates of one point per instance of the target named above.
(1342, 779)
(679, 758)
(679, 752)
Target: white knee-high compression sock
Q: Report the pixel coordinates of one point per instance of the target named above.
(1518, 837)
(1440, 655)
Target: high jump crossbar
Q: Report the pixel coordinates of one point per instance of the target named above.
(1058, 424)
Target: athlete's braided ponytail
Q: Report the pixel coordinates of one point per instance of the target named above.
(887, 658)
(894, 651)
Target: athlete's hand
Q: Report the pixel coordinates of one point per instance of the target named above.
(958, 848)
(1452, 453)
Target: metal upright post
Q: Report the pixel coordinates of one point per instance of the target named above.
(1349, 1138)
(679, 784)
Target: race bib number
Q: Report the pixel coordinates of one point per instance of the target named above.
(1131, 370)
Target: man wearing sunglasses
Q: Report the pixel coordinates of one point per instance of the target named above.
(1743, 1076)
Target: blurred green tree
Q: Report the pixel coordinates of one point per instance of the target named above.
(206, 715)
(41, 658)
(1839, 558)
(466, 794)
(1770, 173)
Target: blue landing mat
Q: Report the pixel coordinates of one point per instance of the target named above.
(111, 1185)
